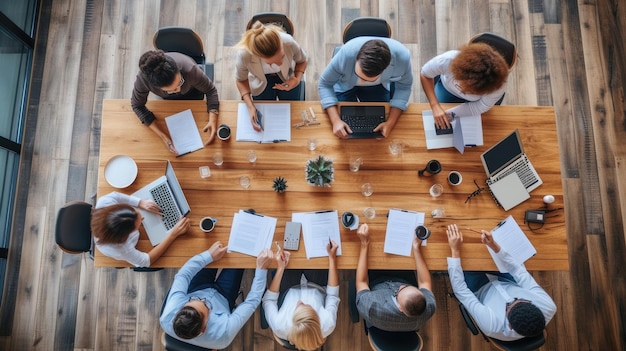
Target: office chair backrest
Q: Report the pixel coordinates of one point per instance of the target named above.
(274, 18)
(528, 343)
(73, 227)
(381, 340)
(180, 39)
(173, 344)
(500, 44)
(366, 26)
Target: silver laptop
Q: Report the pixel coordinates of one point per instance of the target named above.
(510, 175)
(168, 194)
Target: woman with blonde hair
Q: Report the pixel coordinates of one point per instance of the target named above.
(115, 226)
(475, 76)
(269, 66)
(307, 314)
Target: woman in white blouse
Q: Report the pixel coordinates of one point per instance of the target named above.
(115, 226)
(308, 313)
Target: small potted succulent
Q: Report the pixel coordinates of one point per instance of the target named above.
(279, 185)
(320, 171)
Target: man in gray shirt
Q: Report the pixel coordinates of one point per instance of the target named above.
(393, 304)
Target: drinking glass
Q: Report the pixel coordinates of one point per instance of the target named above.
(311, 144)
(244, 181)
(369, 212)
(395, 147)
(218, 159)
(355, 163)
(367, 189)
(251, 156)
(436, 190)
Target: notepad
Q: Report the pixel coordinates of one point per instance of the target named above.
(400, 232)
(251, 233)
(317, 228)
(276, 123)
(184, 132)
(511, 239)
(466, 131)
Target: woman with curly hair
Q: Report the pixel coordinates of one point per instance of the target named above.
(270, 65)
(172, 76)
(475, 76)
(307, 314)
(115, 226)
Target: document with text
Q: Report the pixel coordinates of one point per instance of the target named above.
(401, 226)
(184, 132)
(275, 121)
(317, 229)
(511, 239)
(251, 233)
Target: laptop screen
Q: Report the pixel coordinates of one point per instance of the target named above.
(177, 191)
(502, 153)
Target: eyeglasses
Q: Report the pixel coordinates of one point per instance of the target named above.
(475, 193)
(204, 300)
(395, 294)
(180, 84)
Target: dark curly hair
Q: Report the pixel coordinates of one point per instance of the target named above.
(481, 68)
(188, 323)
(373, 57)
(526, 319)
(159, 68)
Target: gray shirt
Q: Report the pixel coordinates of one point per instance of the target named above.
(378, 307)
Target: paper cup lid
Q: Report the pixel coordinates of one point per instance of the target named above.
(120, 171)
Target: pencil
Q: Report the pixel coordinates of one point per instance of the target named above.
(277, 246)
(473, 230)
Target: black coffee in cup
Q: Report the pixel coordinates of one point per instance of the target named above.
(223, 132)
(432, 167)
(422, 232)
(207, 224)
(454, 178)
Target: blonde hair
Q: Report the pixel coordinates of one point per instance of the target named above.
(262, 40)
(306, 332)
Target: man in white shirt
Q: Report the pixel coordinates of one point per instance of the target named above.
(504, 306)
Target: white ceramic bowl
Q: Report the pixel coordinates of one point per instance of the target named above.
(120, 171)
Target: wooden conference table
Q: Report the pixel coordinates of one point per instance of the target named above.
(394, 179)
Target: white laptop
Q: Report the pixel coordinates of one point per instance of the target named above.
(168, 194)
(510, 175)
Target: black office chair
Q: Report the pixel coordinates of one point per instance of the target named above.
(173, 344)
(381, 340)
(525, 344)
(500, 44)
(185, 41)
(273, 18)
(73, 228)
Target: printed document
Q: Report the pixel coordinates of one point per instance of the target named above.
(275, 121)
(511, 239)
(466, 131)
(184, 132)
(401, 226)
(317, 228)
(251, 233)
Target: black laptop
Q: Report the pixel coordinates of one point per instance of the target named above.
(362, 120)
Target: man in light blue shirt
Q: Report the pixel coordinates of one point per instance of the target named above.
(198, 307)
(363, 70)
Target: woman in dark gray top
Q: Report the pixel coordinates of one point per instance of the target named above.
(172, 75)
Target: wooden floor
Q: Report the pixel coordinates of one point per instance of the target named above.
(571, 56)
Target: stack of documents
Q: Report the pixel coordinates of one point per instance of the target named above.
(466, 131)
(251, 233)
(184, 132)
(511, 239)
(401, 226)
(317, 229)
(275, 121)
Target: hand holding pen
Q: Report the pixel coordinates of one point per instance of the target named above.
(331, 248)
(282, 256)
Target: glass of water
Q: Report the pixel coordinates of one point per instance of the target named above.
(367, 189)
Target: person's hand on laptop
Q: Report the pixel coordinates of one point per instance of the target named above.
(150, 206)
(217, 250)
(441, 117)
(384, 128)
(341, 129)
(181, 227)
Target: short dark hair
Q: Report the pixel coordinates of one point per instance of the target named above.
(526, 319)
(415, 304)
(188, 323)
(373, 57)
(159, 68)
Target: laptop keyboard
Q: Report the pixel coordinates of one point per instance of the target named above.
(163, 197)
(522, 168)
(362, 123)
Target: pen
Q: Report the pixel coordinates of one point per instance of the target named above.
(501, 224)
(324, 211)
(277, 246)
(473, 230)
(312, 113)
(330, 242)
(278, 140)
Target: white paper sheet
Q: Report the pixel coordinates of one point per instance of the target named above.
(401, 226)
(184, 132)
(251, 233)
(276, 122)
(317, 228)
(511, 239)
(466, 131)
